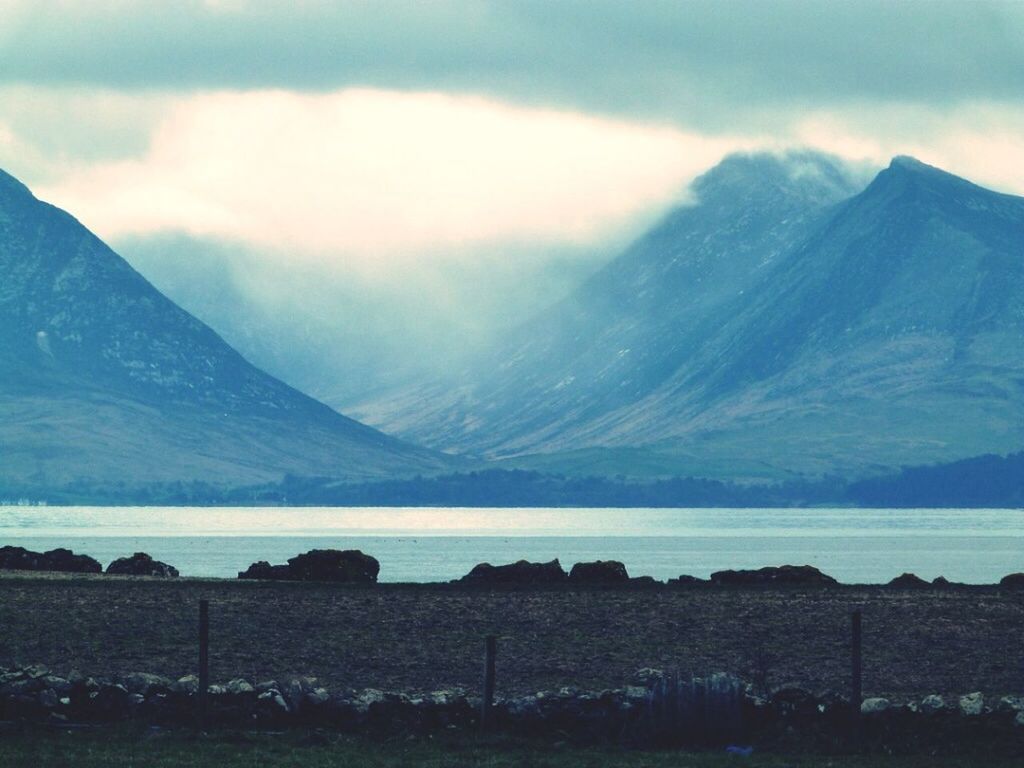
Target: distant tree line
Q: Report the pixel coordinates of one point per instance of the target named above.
(523, 488)
(984, 481)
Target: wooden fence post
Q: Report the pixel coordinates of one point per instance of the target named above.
(856, 673)
(487, 704)
(204, 659)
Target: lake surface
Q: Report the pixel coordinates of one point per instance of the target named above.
(425, 544)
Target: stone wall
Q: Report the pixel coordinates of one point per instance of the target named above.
(658, 710)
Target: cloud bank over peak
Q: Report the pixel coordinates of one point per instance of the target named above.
(420, 174)
(373, 177)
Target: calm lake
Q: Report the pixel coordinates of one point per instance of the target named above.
(424, 544)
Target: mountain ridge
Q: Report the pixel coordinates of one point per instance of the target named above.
(857, 344)
(108, 381)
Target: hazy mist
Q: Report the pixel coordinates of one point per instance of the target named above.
(339, 334)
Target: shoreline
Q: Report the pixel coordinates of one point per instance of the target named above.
(336, 565)
(638, 584)
(412, 544)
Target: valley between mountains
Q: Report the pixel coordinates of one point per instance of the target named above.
(794, 323)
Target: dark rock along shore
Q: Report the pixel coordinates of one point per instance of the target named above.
(354, 566)
(351, 566)
(63, 560)
(141, 564)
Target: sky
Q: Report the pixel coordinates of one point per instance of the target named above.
(482, 154)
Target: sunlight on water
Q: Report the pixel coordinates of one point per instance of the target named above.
(426, 521)
(426, 544)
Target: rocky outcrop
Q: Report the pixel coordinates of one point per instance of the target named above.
(644, 582)
(264, 570)
(350, 566)
(683, 580)
(521, 572)
(64, 560)
(799, 575)
(1013, 581)
(909, 581)
(599, 572)
(141, 564)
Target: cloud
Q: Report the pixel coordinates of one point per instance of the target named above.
(46, 134)
(444, 125)
(375, 182)
(370, 177)
(979, 141)
(704, 63)
(336, 334)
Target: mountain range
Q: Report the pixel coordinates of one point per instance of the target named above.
(107, 383)
(794, 321)
(784, 325)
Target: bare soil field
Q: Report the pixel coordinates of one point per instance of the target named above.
(425, 637)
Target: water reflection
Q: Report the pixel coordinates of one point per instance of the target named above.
(417, 544)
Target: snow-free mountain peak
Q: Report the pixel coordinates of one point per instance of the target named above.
(768, 330)
(107, 383)
(10, 187)
(908, 175)
(627, 330)
(805, 175)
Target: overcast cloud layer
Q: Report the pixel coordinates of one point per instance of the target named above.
(707, 63)
(379, 176)
(469, 159)
(406, 128)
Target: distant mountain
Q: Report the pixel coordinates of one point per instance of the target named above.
(105, 382)
(783, 325)
(323, 333)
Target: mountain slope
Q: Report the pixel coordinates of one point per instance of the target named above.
(629, 327)
(771, 330)
(105, 381)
